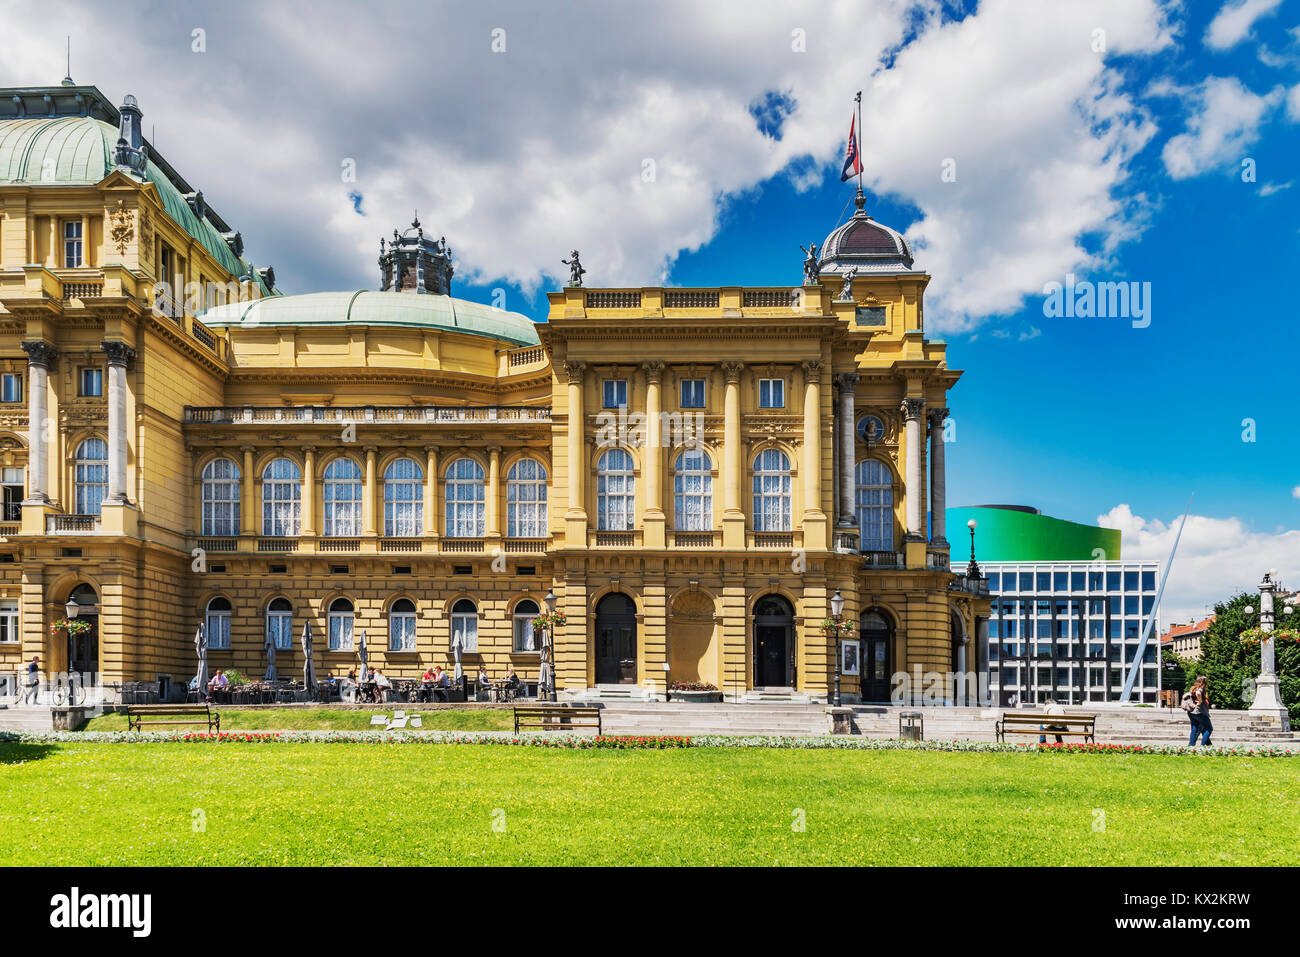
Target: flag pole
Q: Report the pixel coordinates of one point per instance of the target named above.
(858, 99)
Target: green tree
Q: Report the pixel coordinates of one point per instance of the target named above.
(1231, 668)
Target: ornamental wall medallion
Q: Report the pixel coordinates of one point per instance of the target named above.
(121, 228)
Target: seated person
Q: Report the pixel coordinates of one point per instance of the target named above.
(484, 682)
(427, 677)
(513, 683)
(1051, 707)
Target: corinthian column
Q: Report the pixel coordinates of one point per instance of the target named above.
(913, 410)
(731, 438)
(119, 355)
(575, 371)
(848, 383)
(40, 356)
(938, 478)
(654, 371)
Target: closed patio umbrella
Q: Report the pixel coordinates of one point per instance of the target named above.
(270, 659)
(201, 649)
(545, 674)
(457, 648)
(308, 668)
(364, 652)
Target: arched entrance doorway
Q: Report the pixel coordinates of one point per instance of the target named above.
(83, 648)
(615, 640)
(773, 643)
(877, 636)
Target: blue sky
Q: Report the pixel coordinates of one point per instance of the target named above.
(1103, 138)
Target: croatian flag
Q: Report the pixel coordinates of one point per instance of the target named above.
(852, 158)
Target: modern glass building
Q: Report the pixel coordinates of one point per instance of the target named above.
(1067, 612)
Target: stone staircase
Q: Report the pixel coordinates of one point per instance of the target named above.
(25, 719)
(1114, 725)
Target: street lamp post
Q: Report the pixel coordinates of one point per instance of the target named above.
(549, 646)
(973, 569)
(837, 617)
(1268, 699)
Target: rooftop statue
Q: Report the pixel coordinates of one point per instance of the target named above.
(812, 274)
(576, 271)
(846, 294)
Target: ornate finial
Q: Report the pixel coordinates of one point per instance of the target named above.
(860, 199)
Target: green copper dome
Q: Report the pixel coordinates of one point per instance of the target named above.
(371, 308)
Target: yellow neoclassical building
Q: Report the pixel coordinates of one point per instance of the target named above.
(694, 473)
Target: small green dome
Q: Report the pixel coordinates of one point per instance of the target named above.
(372, 308)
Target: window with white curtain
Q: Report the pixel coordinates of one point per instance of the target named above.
(342, 498)
(403, 498)
(466, 495)
(693, 492)
(525, 612)
(464, 625)
(401, 625)
(90, 476)
(772, 491)
(217, 624)
(9, 621)
(526, 500)
(281, 498)
(220, 512)
(615, 492)
(279, 623)
(341, 620)
(874, 499)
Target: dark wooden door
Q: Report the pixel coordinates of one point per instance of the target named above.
(772, 656)
(83, 650)
(615, 640)
(874, 663)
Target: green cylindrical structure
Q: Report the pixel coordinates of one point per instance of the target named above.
(1012, 533)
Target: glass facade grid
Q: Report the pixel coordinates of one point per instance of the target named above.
(1070, 630)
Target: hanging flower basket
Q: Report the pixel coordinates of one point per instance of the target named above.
(549, 620)
(74, 627)
(842, 628)
(1253, 637)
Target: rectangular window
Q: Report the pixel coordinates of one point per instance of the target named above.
(11, 387)
(994, 582)
(13, 489)
(218, 630)
(525, 640)
(91, 381)
(1130, 581)
(615, 393)
(1061, 581)
(465, 627)
(401, 631)
(279, 628)
(1148, 581)
(8, 621)
(771, 393)
(72, 244)
(692, 393)
(1076, 581)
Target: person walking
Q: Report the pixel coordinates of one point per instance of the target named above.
(1200, 713)
(33, 680)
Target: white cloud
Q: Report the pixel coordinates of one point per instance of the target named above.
(1295, 492)
(1293, 103)
(520, 156)
(1268, 189)
(1224, 124)
(1233, 22)
(1217, 557)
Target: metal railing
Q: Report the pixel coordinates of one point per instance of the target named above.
(874, 559)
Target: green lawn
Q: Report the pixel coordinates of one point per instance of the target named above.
(334, 719)
(83, 803)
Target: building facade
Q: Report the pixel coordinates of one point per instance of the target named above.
(1067, 611)
(694, 473)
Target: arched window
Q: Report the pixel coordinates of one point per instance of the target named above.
(772, 491)
(525, 612)
(693, 492)
(526, 500)
(466, 499)
(464, 625)
(279, 623)
(401, 625)
(281, 498)
(874, 498)
(90, 476)
(217, 624)
(403, 498)
(615, 492)
(342, 498)
(220, 498)
(340, 625)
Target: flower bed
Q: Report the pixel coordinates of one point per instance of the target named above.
(627, 742)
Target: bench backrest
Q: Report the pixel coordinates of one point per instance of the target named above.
(1037, 719)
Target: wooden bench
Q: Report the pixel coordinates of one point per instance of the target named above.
(556, 718)
(137, 716)
(1072, 725)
